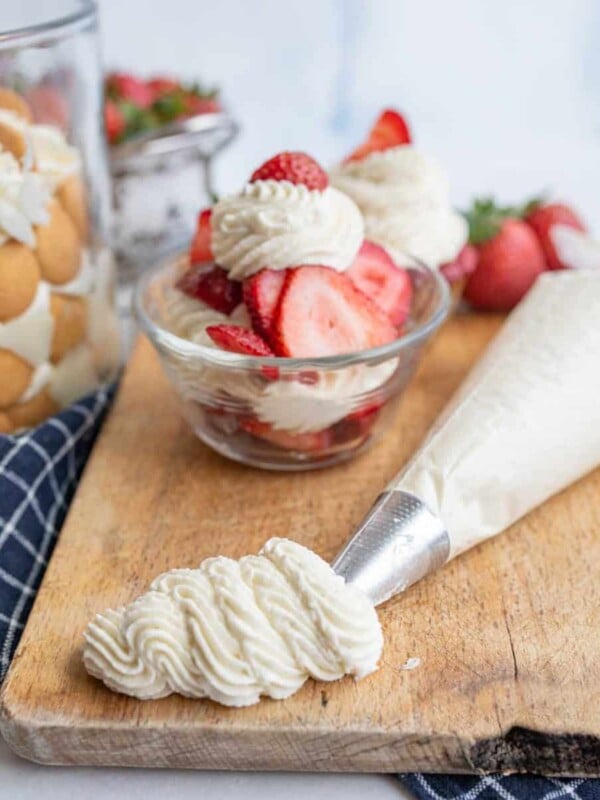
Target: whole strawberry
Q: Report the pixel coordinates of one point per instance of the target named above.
(297, 168)
(543, 217)
(510, 258)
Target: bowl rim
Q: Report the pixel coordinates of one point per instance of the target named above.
(166, 340)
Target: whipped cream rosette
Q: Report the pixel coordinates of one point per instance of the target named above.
(404, 197)
(524, 425)
(56, 314)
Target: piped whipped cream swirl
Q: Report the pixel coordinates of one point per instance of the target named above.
(404, 197)
(234, 631)
(278, 224)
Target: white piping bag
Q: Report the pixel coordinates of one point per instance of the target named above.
(524, 424)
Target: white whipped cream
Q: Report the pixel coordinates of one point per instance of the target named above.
(30, 334)
(305, 408)
(234, 631)
(404, 197)
(24, 198)
(526, 421)
(285, 404)
(54, 158)
(575, 249)
(278, 224)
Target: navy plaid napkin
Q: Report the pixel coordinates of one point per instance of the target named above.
(505, 787)
(39, 471)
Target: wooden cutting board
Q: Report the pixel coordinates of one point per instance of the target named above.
(507, 635)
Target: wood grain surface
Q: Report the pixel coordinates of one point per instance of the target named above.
(507, 634)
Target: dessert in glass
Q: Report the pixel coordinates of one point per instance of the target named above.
(58, 331)
(286, 335)
(403, 195)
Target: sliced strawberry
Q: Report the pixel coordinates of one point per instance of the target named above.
(292, 167)
(322, 313)
(464, 264)
(200, 251)
(377, 276)
(390, 130)
(543, 218)
(210, 283)
(304, 442)
(261, 296)
(357, 424)
(236, 339)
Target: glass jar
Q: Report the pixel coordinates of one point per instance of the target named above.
(58, 329)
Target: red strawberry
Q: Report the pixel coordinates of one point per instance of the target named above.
(297, 168)
(388, 286)
(201, 105)
(464, 264)
(261, 296)
(114, 121)
(509, 263)
(236, 339)
(161, 85)
(209, 283)
(390, 130)
(305, 442)
(200, 251)
(322, 313)
(126, 87)
(542, 218)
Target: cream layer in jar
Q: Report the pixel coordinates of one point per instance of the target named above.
(58, 331)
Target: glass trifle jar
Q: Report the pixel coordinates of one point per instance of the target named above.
(58, 329)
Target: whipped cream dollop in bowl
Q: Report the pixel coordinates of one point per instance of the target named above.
(274, 412)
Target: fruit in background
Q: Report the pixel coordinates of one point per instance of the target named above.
(200, 250)
(298, 168)
(146, 105)
(390, 130)
(543, 217)
(322, 313)
(510, 257)
(210, 284)
(123, 86)
(261, 296)
(388, 286)
(114, 121)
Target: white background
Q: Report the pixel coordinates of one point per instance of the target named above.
(506, 94)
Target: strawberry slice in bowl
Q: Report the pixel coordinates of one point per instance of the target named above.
(322, 313)
(387, 285)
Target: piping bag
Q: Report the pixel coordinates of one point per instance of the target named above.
(524, 424)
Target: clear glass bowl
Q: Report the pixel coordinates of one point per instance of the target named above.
(287, 413)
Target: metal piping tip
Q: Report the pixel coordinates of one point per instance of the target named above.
(397, 543)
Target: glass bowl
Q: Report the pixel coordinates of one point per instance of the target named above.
(284, 413)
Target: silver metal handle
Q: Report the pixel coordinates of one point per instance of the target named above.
(397, 543)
